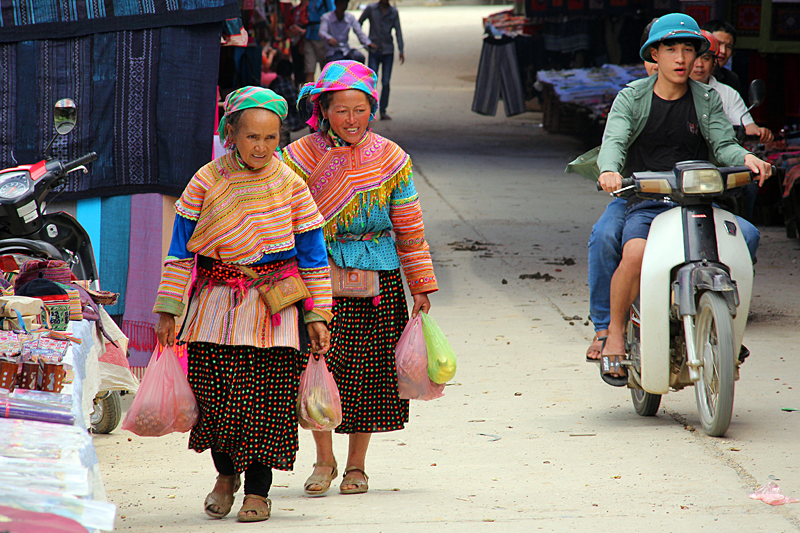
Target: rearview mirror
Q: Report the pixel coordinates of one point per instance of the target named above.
(65, 115)
(758, 90)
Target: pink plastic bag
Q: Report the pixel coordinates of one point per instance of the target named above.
(772, 495)
(411, 360)
(164, 402)
(319, 407)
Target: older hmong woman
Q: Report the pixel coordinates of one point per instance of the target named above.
(362, 184)
(246, 209)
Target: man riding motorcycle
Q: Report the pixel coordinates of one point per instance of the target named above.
(605, 246)
(653, 124)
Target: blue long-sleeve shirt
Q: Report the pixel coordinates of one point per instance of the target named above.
(309, 247)
(317, 8)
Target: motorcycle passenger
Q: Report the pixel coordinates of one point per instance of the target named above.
(653, 124)
(706, 69)
(605, 247)
(725, 34)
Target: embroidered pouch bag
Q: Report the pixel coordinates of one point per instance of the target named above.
(353, 282)
(280, 294)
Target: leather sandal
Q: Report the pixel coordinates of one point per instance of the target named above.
(600, 338)
(612, 364)
(261, 513)
(362, 486)
(223, 502)
(323, 480)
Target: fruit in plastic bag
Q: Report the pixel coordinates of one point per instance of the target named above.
(164, 402)
(319, 406)
(411, 361)
(441, 358)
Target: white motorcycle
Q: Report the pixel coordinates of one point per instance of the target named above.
(687, 325)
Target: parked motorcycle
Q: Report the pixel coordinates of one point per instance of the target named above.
(686, 327)
(27, 231)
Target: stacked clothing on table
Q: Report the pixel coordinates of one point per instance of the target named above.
(593, 88)
(47, 459)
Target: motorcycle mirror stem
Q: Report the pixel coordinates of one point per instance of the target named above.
(757, 92)
(65, 116)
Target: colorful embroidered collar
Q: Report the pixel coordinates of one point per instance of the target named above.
(343, 180)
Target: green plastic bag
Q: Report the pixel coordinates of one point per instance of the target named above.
(586, 165)
(441, 357)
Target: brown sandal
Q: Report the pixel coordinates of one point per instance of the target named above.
(600, 338)
(261, 513)
(362, 486)
(224, 502)
(324, 481)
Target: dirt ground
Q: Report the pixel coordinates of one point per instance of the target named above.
(527, 437)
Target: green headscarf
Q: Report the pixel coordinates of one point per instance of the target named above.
(250, 97)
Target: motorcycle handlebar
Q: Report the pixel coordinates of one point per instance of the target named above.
(81, 161)
(626, 182)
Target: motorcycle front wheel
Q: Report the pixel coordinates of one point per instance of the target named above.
(714, 345)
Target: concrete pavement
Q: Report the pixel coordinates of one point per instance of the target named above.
(527, 437)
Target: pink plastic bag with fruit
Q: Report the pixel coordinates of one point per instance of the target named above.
(319, 406)
(411, 360)
(164, 402)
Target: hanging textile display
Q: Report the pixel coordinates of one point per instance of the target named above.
(27, 20)
(138, 72)
(145, 102)
(498, 76)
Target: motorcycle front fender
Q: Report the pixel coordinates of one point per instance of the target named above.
(59, 232)
(70, 235)
(734, 254)
(664, 251)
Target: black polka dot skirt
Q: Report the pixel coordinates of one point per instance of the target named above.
(247, 399)
(361, 358)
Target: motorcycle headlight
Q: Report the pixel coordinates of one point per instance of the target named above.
(702, 181)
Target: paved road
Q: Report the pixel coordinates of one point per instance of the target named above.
(527, 437)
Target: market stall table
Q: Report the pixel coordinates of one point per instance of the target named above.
(52, 466)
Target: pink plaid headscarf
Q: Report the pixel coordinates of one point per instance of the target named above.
(340, 76)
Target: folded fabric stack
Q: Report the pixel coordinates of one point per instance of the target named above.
(593, 88)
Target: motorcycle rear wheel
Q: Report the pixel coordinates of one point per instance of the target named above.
(644, 403)
(714, 345)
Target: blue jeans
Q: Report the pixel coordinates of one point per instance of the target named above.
(605, 251)
(385, 61)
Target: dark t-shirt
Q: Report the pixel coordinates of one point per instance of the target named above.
(671, 134)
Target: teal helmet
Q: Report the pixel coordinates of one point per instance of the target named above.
(674, 26)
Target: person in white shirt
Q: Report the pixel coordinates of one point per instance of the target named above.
(732, 103)
(335, 26)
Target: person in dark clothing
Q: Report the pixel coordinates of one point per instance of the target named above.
(284, 86)
(726, 36)
(382, 19)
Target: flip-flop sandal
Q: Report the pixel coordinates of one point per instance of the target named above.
(261, 513)
(361, 485)
(596, 338)
(612, 363)
(223, 502)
